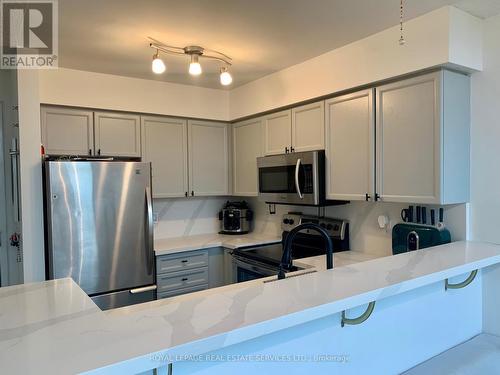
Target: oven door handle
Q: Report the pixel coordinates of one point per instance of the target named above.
(297, 185)
(254, 266)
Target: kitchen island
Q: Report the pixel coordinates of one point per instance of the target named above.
(291, 325)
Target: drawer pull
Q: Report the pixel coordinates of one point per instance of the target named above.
(184, 279)
(184, 261)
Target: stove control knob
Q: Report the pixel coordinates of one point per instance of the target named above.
(291, 221)
(286, 221)
(336, 227)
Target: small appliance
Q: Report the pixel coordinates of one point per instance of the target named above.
(411, 236)
(296, 178)
(236, 218)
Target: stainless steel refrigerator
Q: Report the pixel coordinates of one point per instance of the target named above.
(99, 229)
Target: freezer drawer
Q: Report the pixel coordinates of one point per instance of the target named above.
(181, 261)
(182, 279)
(178, 292)
(124, 298)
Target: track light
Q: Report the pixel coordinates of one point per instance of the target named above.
(194, 66)
(158, 66)
(225, 77)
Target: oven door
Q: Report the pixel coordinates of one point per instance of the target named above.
(247, 269)
(290, 178)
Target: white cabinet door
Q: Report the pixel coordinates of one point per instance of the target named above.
(117, 134)
(164, 144)
(350, 142)
(247, 147)
(208, 158)
(308, 127)
(278, 132)
(67, 131)
(409, 140)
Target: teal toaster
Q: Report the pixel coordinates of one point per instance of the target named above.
(409, 236)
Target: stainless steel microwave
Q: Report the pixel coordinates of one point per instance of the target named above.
(297, 178)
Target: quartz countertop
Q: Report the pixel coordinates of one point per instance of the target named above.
(204, 241)
(53, 328)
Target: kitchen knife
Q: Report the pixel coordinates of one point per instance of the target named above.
(424, 215)
(418, 214)
(410, 214)
(440, 224)
(433, 217)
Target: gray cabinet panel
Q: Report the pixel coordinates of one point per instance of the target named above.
(181, 261)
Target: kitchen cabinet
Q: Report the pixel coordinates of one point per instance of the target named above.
(164, 144)
(208, 151)
(350, 142)
(296, 130)
(423, 139)
(247, 147)
(278, 132)
(67, 131)
(117, 134)
(308, 127)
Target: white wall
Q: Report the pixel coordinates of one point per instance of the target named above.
(187, 216)
(31, 176)
(105, 91)
(485, 139)
(445, 36)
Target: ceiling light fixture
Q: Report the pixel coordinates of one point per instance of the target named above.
(158, 66)
(195, 53)
(225, 76)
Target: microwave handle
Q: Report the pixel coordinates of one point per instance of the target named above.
(297, 185)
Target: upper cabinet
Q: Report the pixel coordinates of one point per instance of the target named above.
(350, 154)
(117, 134)
(247, 147)
(77, 132)
(308, 127)
(164, 144)
(208, 158)
(423, 139)
(67, 131)
(296, 130)
(278, 132)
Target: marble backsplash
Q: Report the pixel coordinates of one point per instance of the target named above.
(191, 216)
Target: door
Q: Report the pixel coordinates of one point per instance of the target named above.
(278, 133)
(308, 127)
(247, 147)
(350, 146)
(117, 134)
(99, 224)
(67, 131)
(208, 158)
(164, 144)
(408, 140)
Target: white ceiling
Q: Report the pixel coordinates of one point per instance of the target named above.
(262, 36)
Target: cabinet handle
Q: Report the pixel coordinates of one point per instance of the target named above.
(367, 197)
(90, 151)
(286, 150)
(192, 193)
(184, 279)
(377, 197)
(292, 149)
(184, 261)
(186, 193)
(99, 152)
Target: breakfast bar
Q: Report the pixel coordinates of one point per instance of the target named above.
(53, 327)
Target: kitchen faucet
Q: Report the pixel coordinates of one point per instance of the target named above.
(286, 259)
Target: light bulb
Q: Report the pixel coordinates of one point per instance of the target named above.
(225, 77)
(158, 66)
(194, 66)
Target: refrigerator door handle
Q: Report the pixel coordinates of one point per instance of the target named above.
(150, 231)
(143, 289)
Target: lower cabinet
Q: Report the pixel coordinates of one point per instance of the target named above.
(189, 271)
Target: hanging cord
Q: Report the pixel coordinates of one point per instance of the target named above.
(402, 40)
